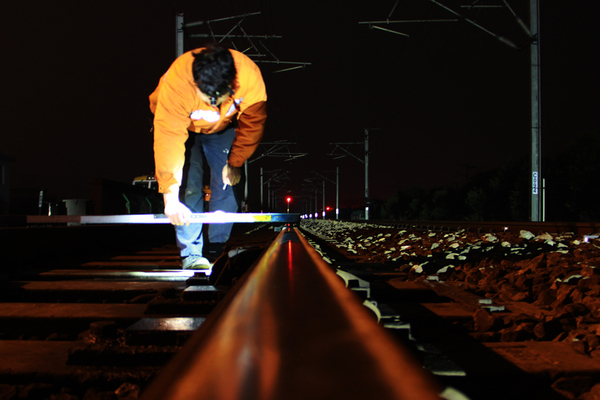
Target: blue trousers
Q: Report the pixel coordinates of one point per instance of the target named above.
(213, 148)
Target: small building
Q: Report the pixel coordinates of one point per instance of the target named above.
(5, 184)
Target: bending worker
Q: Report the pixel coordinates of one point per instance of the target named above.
(212, 100)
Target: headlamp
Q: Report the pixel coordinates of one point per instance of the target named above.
(215, 95)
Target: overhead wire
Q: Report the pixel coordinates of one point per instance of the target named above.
(443, 59)
(445, 52)
(400, 55)
(423, 61)
(443, 49)
(440, 55)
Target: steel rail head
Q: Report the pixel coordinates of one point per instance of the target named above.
(290, 329)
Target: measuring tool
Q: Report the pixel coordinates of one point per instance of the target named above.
(217, 217)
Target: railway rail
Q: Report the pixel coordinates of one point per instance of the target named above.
(272, 321)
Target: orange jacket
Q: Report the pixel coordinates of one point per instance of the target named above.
(177, 108)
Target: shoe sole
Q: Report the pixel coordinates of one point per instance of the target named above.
(200, 267)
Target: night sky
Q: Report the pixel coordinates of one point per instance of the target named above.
(76, 78)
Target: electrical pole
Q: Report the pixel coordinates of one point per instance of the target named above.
(536, 136)
(337, 192)
(324, 208)
(367, 199)
(178, 34)
(364, 161)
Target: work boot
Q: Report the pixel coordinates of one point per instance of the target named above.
(195, 262)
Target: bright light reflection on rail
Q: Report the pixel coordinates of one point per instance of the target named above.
(290, 270)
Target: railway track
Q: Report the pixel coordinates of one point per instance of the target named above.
(441, 273)
(83, 324)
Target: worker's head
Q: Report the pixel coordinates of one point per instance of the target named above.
(214, 73)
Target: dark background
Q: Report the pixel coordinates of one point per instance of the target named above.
(448, 102)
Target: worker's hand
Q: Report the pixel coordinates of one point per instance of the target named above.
(177, 212)
(231, 175)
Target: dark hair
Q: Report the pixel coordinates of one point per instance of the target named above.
(214, 70)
